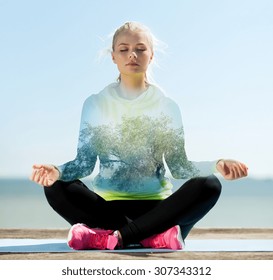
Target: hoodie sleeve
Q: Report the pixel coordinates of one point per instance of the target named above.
(86, 157)
(175, 155)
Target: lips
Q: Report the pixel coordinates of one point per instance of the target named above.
(132, 64)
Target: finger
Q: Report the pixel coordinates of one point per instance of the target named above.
(44, 181)
(40, 166)
(49, 182)
(37, 166)
(242, 169)
(41, 180)
(240, 172)
(221, 168)
(245, 168)
(232, 174)
(43, 177)
(36, 176)
(236, 171)
(42, 172)
(36, 170)
(31, 177)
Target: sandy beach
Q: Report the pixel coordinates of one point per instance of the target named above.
(198, 233)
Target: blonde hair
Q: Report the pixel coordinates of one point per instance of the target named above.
(134, 26)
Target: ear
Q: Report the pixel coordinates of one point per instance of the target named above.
(113, 57)
(151, 57)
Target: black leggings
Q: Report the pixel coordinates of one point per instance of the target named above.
(135, 219)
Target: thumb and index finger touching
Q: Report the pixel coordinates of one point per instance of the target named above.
(232, 169)
(43, 174)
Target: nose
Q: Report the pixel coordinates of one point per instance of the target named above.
(132, 55)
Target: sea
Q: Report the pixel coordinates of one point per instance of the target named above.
(244, 203)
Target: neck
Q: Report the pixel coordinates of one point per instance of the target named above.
(131, 88)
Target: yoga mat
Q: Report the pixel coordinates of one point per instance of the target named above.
(206, 245)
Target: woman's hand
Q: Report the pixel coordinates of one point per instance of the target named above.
(231, 169)
(45, 175)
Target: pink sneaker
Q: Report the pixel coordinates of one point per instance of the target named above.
(169, 239)
(81, 237)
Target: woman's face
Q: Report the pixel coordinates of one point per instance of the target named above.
(132, 53)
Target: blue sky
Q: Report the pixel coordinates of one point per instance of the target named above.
(218, 66)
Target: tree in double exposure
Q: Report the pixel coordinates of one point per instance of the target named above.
(133, 150)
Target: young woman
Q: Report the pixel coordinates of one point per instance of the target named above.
(134, 131)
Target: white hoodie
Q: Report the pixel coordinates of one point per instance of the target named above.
(132, 139)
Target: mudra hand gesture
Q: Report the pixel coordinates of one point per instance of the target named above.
(231, 169)
(45, 175)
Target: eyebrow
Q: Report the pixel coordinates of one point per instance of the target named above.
(125, 44)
